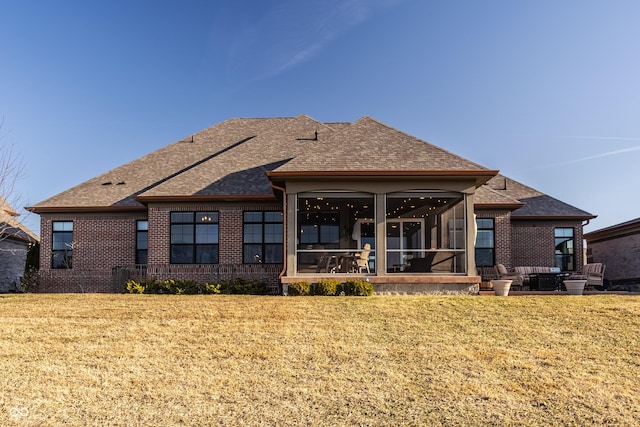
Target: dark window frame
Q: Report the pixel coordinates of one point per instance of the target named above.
(62, 245)
(565, 248)
(259, 249)
(142, 242)
(489, 250)
(189, 235)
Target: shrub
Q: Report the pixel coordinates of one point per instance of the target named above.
(179, 287)
(243, 287)
(358, 288)
(210, 288)
(299, 288)
(154, 286)
(327, 287)
(134, 287)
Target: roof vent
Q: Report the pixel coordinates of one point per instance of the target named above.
(315, 138)
(107, 183)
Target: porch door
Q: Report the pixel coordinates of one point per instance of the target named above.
(403, 237)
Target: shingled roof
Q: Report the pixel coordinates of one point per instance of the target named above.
(235, 159)
(231, 160)
(368, 145)
(533, 203)
(10, 227)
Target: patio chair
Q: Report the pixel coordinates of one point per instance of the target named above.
(595, 275)
(503, 274)
(362, 259)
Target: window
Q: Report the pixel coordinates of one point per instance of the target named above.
(194, 237)
(263, 237)
(142, 240)
(485, 242)
(62, 244)
(565, 254)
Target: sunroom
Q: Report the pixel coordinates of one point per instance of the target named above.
(386, 232)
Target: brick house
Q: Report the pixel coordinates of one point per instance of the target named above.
(617, 247)
(15, 240)
(294, 199)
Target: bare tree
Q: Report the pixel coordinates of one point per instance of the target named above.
(11, 170)
(15, 239)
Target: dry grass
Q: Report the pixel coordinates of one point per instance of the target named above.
(237, 360)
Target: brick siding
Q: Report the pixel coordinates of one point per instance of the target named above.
(620, 257)
(533, 242)
(105, 245)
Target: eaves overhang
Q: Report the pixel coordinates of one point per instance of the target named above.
(505, 206)
(552, 217)
(479, 176)
(626, 229)
(83, 209)
(217, 198)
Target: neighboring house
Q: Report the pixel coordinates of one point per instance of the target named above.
(294, 199)
(15, 240)
(617, 247)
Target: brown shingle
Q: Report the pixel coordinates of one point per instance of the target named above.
(368, 145)
(233, 157)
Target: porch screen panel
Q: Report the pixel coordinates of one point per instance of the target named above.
(331, 226)
(426, 232)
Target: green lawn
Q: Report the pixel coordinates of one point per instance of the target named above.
(240, 360)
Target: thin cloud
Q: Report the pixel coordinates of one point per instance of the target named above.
(294, 31)
(610, 138)
(587, 158)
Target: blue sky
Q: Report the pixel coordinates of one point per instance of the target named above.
(547, 92)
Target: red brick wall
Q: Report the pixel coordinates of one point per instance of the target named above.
(619, 256)
(529, 243)
(100, 243)
(104, 242)
(533, 242)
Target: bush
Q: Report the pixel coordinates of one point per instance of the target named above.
(135, 287)
(327, 287)
(299, 288)
(243, 287)
(154, 286)
(210, 288)
(179, 287)
(358, 288)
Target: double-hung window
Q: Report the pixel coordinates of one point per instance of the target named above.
(62, 244)
(142, 241)
(263, 239)
(565, 253)
(485, 242)
(194, 237)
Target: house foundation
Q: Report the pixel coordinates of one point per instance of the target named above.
(405, 284)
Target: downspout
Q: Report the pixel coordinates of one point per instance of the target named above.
(284, 223)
